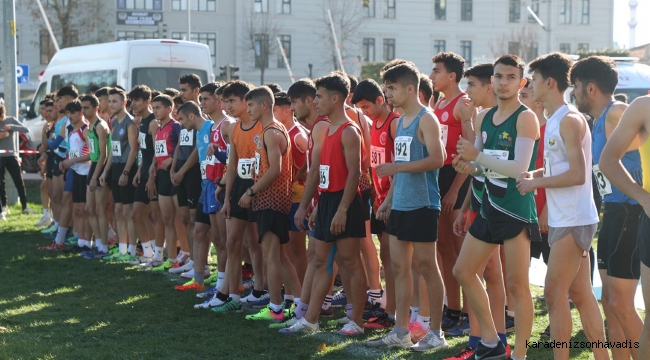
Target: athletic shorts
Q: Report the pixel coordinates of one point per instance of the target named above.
(78, 187)
(91, 172)
(582, 235)
(67, 177)
(292, 214)
(542, 248)
(366, 200)
(210, 204)
(617, 247)
(189, 190)
(643, 239)
(56, 160)
(239, 187)
(328, 204)
(123, 194)
(164, 183)
(141, 194)
(49, 165)
(273, 221)
(377, 227)
(495, 232)
(200, 216)
(446, 176)
(419, 225)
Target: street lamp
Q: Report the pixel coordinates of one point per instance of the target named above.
(310, 68)
(546, 27)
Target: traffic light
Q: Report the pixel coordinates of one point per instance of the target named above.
(223, 73)
(234, 72)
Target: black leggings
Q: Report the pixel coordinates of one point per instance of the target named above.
(10, 164)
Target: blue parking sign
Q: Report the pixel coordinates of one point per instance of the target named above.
(22, 74)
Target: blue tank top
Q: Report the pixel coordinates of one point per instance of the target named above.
(203, 139)
(62, 150)
(631, 161)
(413, 190)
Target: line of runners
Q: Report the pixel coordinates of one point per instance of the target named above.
(498, 173)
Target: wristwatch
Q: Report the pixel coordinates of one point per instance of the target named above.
(125, 172)
(250, 192)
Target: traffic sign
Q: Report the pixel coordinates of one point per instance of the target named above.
(22, 74)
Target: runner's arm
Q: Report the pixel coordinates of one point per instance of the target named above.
(133, 143)
(274, 141)
(351, 143)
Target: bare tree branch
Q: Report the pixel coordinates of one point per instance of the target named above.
(522, 42)
(259, 40)
(348, 19)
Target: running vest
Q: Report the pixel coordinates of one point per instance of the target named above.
(120, 139)
(166, 140)
(93, 142)
(277, 196)
(145, 140)
(62, 150)
(78, 148)
(298, 159)
(501, 200)
(450, 127)
(540, 194)
(333, 170)
(215, 170)
(413, 191)
(186, 146)
(631, 161)
(247, 142)
(310, 150)
(203, 136)
(574, 205)
(381, 151)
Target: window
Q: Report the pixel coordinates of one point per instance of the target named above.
(389, 11)
(534, 5)
(285, 40)
(197, 5)
(533, 51)
(261, 6)
(368, 49)
(583, 46)
(466, 51)
(513, 48)
(441, 9)
(439, 46)
(284, 6)
(515, 11)
(136, 35)
(465, 10)
(389, 49)
(368, 8)
(50, 3)
(584, 18)
(46, 45)
(139, 4)
(565, 48)
(83, 80)
(261, 50)
(209, 39)
(565, 11)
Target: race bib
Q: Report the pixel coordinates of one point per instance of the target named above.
(497, 154)
(141, 140)
(91, 145)
(73, 154)
(547, 167)
(116, 148)
(324, 172)
(186, 137)
(139, 157)
(403, 148)
(227, 154)
(244, 168)
(204, 166)
(377, 155)
(160, 148)
(257, 163)
(604, 186)
(445, 131)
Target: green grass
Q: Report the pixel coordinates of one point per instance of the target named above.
(56, 306)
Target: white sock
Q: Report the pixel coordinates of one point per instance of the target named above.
(275, 307)
(146, 249)
(158, 253)
(60, 235)
(235, 297)
(327, 302)
(56, 223)
(46, 212)
(132, 250)
(375, 296)
(98, 244)
(221, 276)
(424, 321)
(296, 300)
(152, 245)
(83, 243)
(122, 247)
(415, 311)
(289, 297)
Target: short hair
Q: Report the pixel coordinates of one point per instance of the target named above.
(237, 88)
(622, 97)
(121, 88)
(171, 92)
(92, 99)
(335, 81)
(453, 63)
(49, 96)
(43, 101)
(190, 107)
(529, 79)
(102, 91)
(117, 91)
(512, 60)
(73, 106)
(68, 90)
(93, 88)
(600, 70)
(483, 72)
(404, 74)
(261, 93)
(281, 98)
(426, 87)
(554, 65)
(178, 100)
(212, 87)
(275, 88)
(166, 100)
(301, 89)
(392, 63)
(141, 92)
(193, 80)
(219, 91)
(47, 103)
(354, 82)
(367, 89)
(155, 93)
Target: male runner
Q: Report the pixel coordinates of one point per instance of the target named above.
(595, 79)
(412, 207)
(51, 155)
(338, 220)
(270, 198)
(505, 143)
(46, 158)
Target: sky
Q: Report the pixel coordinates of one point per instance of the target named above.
(622, 16)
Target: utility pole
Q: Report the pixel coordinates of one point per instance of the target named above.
(9, 57)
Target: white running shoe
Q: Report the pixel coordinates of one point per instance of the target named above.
(351, 329)
(141, 260)
(252, 298)
(430, 341)
(189, 265)
(45, 221)
(190, 274)
(209, 304)
(392, 340)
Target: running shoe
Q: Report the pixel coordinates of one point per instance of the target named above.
(246, 272)
(100, 255)
(262, 301)
(71, 240)
(431, 341)
(266, 314)
(212, 279)
(299, 327)
(460, 329)
(228, 306)
(447, 322)
(126, 258)
(141, 260)
(374, 312)
(288, 320)
(182, 257)
(49, 229)
(510, 323)
(190, 286)
(5, 210)
(464, 354)
(248, 284)
(207, 294)
(392, 340)
(546, 333)
(164, 267)
(3, 217)
(53, 247)
(89, 252)
(338, 284)
(44, 221)
(327, 313)
(339, 300)
(210, 303)
(50, 235)
(383, 321)
(28, 211)
(484, 352)
(113, 257)
(417, 332)
(181, 268)
(340, 321)
(190, 274)
(75, 250)
(351, 329)
(113, 250)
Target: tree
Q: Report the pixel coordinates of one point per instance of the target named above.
(74, 22)
(521, 42)
(370, 70)
(260, 40)
(604, 52)
(348, 18)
